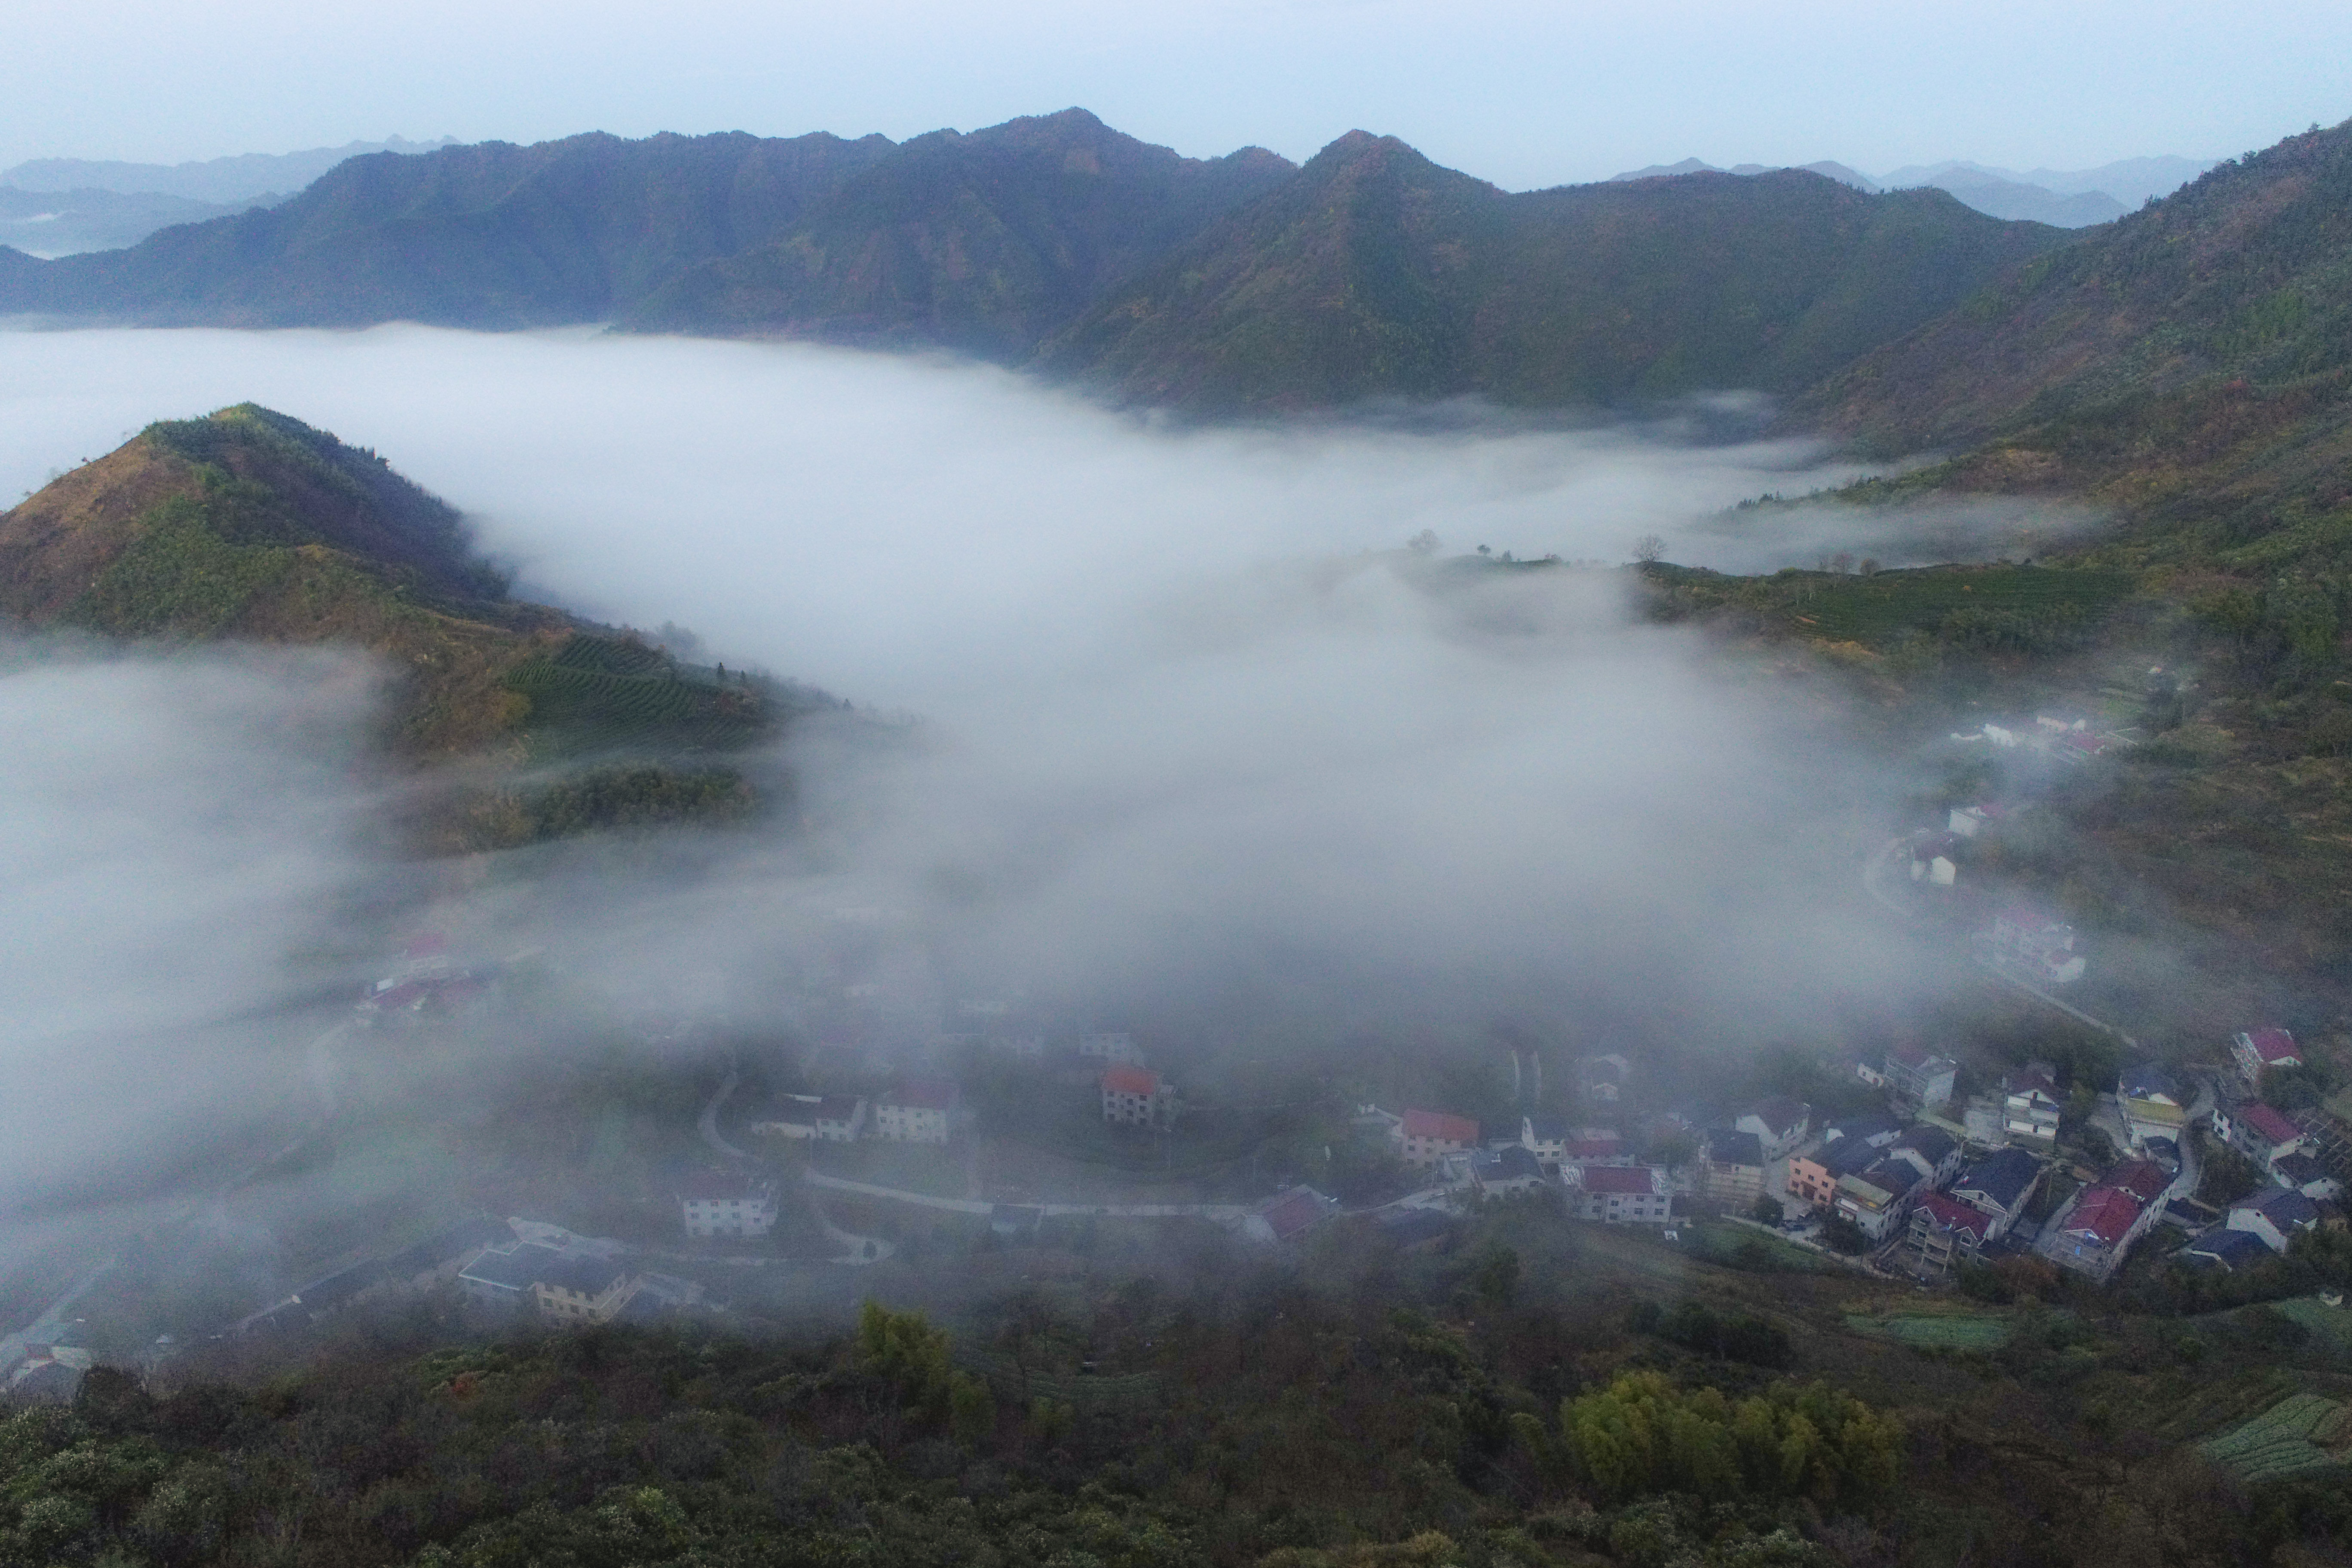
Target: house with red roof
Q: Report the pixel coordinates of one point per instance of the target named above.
(1621, 1194)
(1136, 1097)
(2092, 1235)
(2259, 1049)
(1423, 1138)
(1946, 1231)
(1287, 1216)
(2260, 1133)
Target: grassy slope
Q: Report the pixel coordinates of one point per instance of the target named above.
(1375, 272)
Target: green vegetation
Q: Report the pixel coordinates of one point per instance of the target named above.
(1951, 1332)
(1643, 1435)
(596, 694)
(179, 577)
(1374, 272)
(2293, 1437)
(1995, 609)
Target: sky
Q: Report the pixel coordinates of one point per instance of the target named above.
(1523, 93)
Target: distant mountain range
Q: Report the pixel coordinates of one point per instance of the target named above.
(246, 177)
(1237, 283)
(2067, 199)
(65, 223)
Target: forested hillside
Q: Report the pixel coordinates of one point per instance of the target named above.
(1375, 273)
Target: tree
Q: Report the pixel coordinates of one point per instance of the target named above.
(1766, 1210)
(1844, 1234)
(1649, 549)
(1426, 543)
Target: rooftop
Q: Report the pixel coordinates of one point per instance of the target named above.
(1289, 1212)
(1726, 1147)
(923, 1094)
(1954, 1214)
(1778, 1112)
(2104, 1212)
(1442, 1125)
(2232, 1248)
(2273, 1045)
(2000, 1176)
(1135, 1080)
(1621, 1179)
(721, 1185)
(2270, 1122)
(1933, 1143)
(2280, 1205)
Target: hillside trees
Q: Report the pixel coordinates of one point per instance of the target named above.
(1641, 1436)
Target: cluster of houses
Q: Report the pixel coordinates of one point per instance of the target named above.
(2061, 735)
(2287, 1151)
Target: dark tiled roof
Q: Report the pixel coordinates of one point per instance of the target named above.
(1778, 1112)
(1933, 1143)
(1618, 1179)
(1726, 1147)
(2000, 1176)
(2231, 1248)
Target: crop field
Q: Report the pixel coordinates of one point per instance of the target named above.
(1739, 1246)
(596, 694)
(1877, 608)
(2300, 1434)
(1955, 1332)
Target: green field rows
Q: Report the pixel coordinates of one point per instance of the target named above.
(596, 694)
(2300, 1434)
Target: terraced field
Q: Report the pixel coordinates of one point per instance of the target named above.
(1957, 1331)
(2301, 1434)
(600, 694)
(1876, 609)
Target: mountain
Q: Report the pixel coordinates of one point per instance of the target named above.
(220, 181)
(1825, 168)
(2194, 357)
(1375, 273)
(2130, 181)
(492, 236)
(1998, 197)
(251, 526)
(981, 243)
(1985, 190)
(63, 222)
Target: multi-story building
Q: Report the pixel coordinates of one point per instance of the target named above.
(1136, 1097)
(1110, 1046)
(1877, 1199)
(1999, 1187)
(1622, 1195)
(1946, 1231)
(2153, 1104)
(727, 1203)
(2031, 1105)
(1919, 1073)
(2258, 1050)
(1423, 1138)
(918, 1110)
(1731, 1168)
(1778, 1122)
(2031, 943)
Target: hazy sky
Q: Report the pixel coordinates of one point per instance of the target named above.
(1524, 92)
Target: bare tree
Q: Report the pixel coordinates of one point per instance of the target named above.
(1426, 543)
(1649, 549)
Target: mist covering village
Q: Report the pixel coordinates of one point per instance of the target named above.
(1007, 846)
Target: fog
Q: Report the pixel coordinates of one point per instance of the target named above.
(1162, 727)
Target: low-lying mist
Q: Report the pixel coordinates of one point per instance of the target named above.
(1163, 726)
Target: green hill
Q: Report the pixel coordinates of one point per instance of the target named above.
(980, 243)
(251, 526)
(1375, 273)
(2189, 365)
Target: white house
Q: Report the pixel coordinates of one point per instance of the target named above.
(727, 1203)
(2041, 948)
(1112, 1047)
(1622, 1195)
(1778, 1122)
(918, 1110)
(2276, 1215)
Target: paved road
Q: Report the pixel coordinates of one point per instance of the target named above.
(710, 1120)
(981, 1206)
